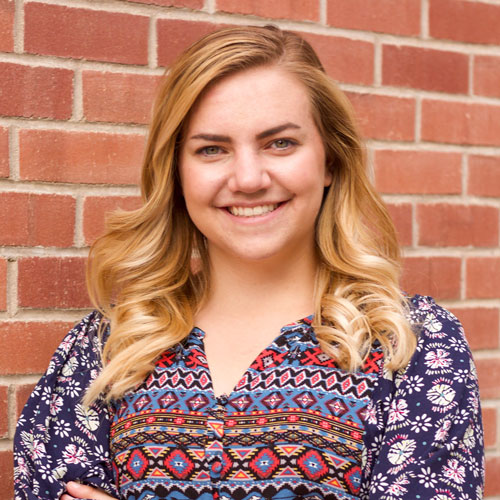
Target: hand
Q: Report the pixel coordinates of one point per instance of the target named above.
(77, 490)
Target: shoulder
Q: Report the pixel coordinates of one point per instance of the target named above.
(442, 362)
(82, 345)
(435, 326)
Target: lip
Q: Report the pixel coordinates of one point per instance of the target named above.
(243, 204)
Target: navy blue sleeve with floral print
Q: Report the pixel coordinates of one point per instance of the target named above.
(57, 438)
(425, 436)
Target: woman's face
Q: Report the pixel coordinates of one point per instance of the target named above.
(252, 166)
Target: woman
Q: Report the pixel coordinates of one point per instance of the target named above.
(254, 167)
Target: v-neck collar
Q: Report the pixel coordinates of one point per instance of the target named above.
(292, 338)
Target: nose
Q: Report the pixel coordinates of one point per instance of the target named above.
(249, 173)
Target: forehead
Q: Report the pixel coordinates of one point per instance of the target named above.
(260, 94)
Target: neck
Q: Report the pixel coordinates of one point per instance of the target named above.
(284, 286)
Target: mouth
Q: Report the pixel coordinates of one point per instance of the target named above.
(252, 211)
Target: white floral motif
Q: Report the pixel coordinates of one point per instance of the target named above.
(74, 455)
(415, 384)
(457, 344)
(88, 417)
(70, 366)
(56, 404)
(442, 431)
(379, 482)
(438, 359)
(441, 394)
(443, 496)
(397, 488)
(401, 451)
(422, 423)
(37, 449)
(371, 413)
(469, 438)
(46, 394)
(454, 471)
(427, 477)
(62, 428)
(398, 411)
(46, 472)
(461, 375)
(73, 388)
(433, 324)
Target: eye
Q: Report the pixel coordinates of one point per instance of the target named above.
(283, 144)
(209, 150)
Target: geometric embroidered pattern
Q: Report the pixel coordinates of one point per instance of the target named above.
(293, 427)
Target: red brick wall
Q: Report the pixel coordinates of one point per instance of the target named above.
(77, 79)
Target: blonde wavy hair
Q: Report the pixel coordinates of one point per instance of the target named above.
(141, 275)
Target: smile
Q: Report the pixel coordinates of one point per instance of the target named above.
(252, 211)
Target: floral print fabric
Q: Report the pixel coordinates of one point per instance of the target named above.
(419, 430)
(57, 439)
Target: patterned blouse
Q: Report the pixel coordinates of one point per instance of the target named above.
(295, 426)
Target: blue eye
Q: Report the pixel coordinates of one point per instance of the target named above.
(209, 150)
(283, 143)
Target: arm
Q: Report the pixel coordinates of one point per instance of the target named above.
(430, 441)
(57, 438)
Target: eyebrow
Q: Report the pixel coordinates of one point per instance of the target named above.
(262, 135)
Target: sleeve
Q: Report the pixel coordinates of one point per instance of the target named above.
(430, 439)
(58, 439)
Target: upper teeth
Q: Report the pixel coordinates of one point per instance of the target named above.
(252, 211)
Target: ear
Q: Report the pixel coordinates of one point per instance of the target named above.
(328, 176)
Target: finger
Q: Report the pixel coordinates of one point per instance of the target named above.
(66, 497)
(83, 491)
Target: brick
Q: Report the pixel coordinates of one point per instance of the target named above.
(85, 34)
(28, 219)
(191, 4)
(487, 75)
(401, 17)
(418, 172)
(85, 157)
(488, 371)
(483, 277)
(337, 54)
(4, 152)
(490, 426)
(299, 10)
(484, 175)
(42, 337)
(175, 35)
(35, 92)
(4, 411)
(7, 9)
(460, 123)
(6, 474)
(52, 282)
(442, 224)
(481, 325)
(401, 215)
(435, 276)
(384, 117)
(118, 97)
(3, 284)
(492, 483)
(96, 208)
(427, 69)
(465, 21)
(23, 393)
